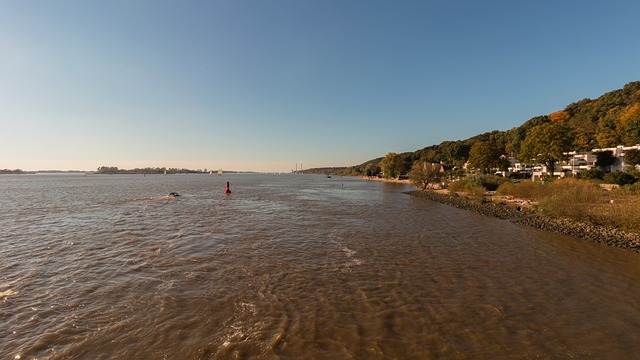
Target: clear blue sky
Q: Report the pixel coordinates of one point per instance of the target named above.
(265, 85)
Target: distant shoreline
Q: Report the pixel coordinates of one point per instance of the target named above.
(375, 178)
(124, 172)
(526, 216)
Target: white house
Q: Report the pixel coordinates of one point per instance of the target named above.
(618, 153)
(576, 162)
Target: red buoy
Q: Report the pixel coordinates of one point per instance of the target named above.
(227, 191)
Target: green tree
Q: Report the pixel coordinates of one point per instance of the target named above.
(630, 131)
(619, 178)
(591, 174)
(484, 155)
(392, 165)
(424, 173)
(608, 134)
(632, 157)
(546, 144)
(372, 169)
(108, 170)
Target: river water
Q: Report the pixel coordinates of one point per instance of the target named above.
(294, 266)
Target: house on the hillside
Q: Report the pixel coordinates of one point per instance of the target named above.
(540, 171)
(618, 154)
(575, 163)
(518, 168)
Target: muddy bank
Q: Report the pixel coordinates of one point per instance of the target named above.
(526, 216)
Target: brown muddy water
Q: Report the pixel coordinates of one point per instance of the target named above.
(294, 266)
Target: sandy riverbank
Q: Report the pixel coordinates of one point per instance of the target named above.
(520, 212)
(375, 178)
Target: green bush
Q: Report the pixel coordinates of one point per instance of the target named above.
(491, 182)
(591, 174)
(469, 186)
(619, 178)
(477, 185)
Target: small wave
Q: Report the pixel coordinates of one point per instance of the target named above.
(248, 307)
(7, 293)
(352, 262)
(162, 197)
(348, 251)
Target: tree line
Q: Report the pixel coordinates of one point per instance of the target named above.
(147, 170)
(15, 171)
(612, 119)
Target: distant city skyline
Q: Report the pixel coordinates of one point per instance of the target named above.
(268, 86)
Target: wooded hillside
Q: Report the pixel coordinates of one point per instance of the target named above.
(610, 120)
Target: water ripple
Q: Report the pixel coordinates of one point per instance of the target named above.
(294, 267)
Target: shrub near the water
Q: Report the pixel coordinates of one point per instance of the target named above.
(572, 198)
(582, 200)
(622, 209)
(491, 182)
(620, 212)
(467, 186)
(477, 185)
(529, 190)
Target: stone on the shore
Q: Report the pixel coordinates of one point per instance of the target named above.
(526, 216)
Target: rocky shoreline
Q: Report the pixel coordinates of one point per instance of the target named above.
(526, 216)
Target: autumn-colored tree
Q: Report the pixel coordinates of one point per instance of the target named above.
(424, 173)
(607, 138)
(546, 144)
(632, 113)
(484, 155)
(607, 134)
(630, 125)
(392, 165)
(559, 116)
(608, 121)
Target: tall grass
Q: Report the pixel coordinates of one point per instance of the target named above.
(621, 213)
(582, 200)
(476, 185)
(633, 189)
(572, 198)
(468, 186)
(530, 190)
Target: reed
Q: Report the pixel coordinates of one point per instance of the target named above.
(620, 212)
(468, 187)
(572, 198)
(582, 200)
(476, 185)
(530, 190)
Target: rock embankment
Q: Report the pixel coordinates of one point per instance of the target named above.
(527, 216)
